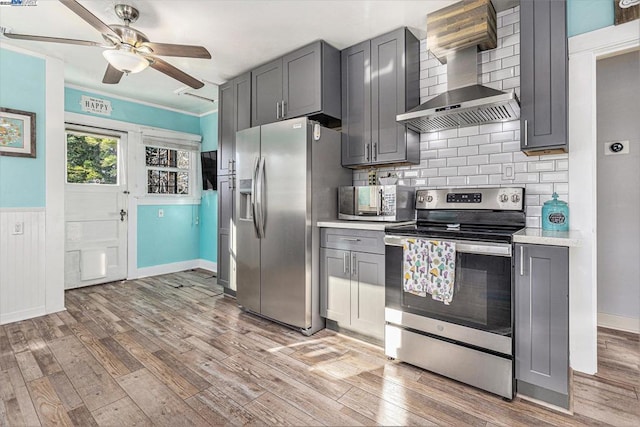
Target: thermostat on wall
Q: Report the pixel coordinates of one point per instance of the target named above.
(616, 147)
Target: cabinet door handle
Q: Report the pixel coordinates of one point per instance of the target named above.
(366, 152)
(277, 110)
(375, 151)
(345, 265)
(283, 108)
(350, 239)
(353, 265)
(526, 132)
(522, 260)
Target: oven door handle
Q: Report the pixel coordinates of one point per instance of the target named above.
(480, 248)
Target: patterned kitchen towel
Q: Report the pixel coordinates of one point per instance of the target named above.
(429, 268)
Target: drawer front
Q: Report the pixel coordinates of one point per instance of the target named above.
(356, 240)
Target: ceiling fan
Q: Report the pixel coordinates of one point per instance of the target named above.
(127, 50)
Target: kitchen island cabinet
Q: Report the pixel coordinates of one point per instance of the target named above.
(305, 82)
(543, 77)
(542, 322)
(380, 79)
(352, 280)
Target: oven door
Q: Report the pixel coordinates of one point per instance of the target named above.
(482, 288)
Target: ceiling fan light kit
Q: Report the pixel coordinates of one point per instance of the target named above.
(128, 51)
(125, 61)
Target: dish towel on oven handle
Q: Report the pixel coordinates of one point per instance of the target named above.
(429, 267)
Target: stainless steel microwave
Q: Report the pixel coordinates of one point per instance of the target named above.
(376, 203)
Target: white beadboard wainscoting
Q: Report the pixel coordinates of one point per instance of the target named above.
(22, 264)
(487, 155)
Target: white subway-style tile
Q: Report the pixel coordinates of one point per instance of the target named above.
(501, 53)
(501, 158)
(456, 161)
(525, 178)
(502, 74)
(448, 171)
(468, 131)
(520, 167)
(411, 174)
(428, 154)
(531, 199)
(502, 136)
(562, 176)
(437, 144)
(471, 150)
(478, 180)
(458, 142)
(490, 149)
(437, 181)
(562, 165)
(561, 188)
(447, 152)
(532, 222)
(480, 139)
(511, 83)
(541, 166)
(490, 169)
(490, 127)
(482, 159)
(511, 146)
(449, 133)
(437, 163)
(456, 181)
(426, 173)
(512, 125)
(468, 170)
(511, 61)
(540, 189)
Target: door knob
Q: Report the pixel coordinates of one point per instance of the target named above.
(123, 213)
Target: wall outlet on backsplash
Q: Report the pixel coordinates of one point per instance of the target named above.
(508, 171)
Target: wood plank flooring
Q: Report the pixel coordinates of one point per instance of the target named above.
(174, 351)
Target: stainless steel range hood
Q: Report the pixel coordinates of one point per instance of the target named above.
(466, 102)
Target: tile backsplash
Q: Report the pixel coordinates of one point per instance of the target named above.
(486, 155)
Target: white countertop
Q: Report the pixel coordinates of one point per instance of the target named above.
(360, 225)
(538, 236)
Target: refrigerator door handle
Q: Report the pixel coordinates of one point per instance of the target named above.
(253, 196)
(261, 222)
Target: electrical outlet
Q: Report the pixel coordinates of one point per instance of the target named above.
(18, 228)
(508, 171)
(160, 213)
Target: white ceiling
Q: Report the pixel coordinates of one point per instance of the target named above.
(239, 34)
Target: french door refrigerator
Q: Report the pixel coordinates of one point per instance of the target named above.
(288, 174)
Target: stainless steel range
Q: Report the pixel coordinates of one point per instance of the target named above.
(449, 285)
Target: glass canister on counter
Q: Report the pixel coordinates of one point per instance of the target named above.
(555, 215)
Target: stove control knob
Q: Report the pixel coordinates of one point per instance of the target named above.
(515, 198)
(503, 198)
(429, 199)
(420, 199)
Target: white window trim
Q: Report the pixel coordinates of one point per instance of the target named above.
(195, 186)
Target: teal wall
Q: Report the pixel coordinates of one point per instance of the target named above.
(209, 205)
(22, 87)
(133, 112)
(588, 15)
(173, 238)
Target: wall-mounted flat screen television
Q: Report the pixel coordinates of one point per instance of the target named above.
(209, 162)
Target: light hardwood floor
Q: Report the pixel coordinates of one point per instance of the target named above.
(145, 352)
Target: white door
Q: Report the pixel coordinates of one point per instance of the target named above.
(95, 207)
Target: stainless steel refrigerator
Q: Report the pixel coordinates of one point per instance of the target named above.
(288, 174)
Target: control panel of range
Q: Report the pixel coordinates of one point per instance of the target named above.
(506, 198)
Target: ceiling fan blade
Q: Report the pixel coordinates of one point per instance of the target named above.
(50, 39)
(89, 17)
(173, 72)
(183, 50)
(112, 75)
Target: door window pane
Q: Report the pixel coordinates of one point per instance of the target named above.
(92, 158)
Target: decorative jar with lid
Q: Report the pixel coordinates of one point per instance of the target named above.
(555, 215)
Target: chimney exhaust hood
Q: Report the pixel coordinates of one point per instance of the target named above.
(466, 103)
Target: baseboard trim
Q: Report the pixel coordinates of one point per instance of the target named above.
(627, 324)
(17, 316)
(173, 267)
(208, 265)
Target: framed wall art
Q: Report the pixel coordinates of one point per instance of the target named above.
(17, 133)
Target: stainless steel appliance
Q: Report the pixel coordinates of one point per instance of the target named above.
(470, 339)
(377, 203)
(288, 175)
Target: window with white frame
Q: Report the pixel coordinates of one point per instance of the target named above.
(170, 167)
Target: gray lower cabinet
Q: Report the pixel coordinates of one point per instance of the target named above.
(305, 82)
(543, 76)
(234, 114)
(225, 224)
(542, 322)
(352, 280)
(380, 79)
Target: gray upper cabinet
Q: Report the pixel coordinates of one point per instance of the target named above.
(267, 93)
(543, 76)
(542, 322)
(234, 114)
(305, 82)
(356, 104)
(380, 79)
